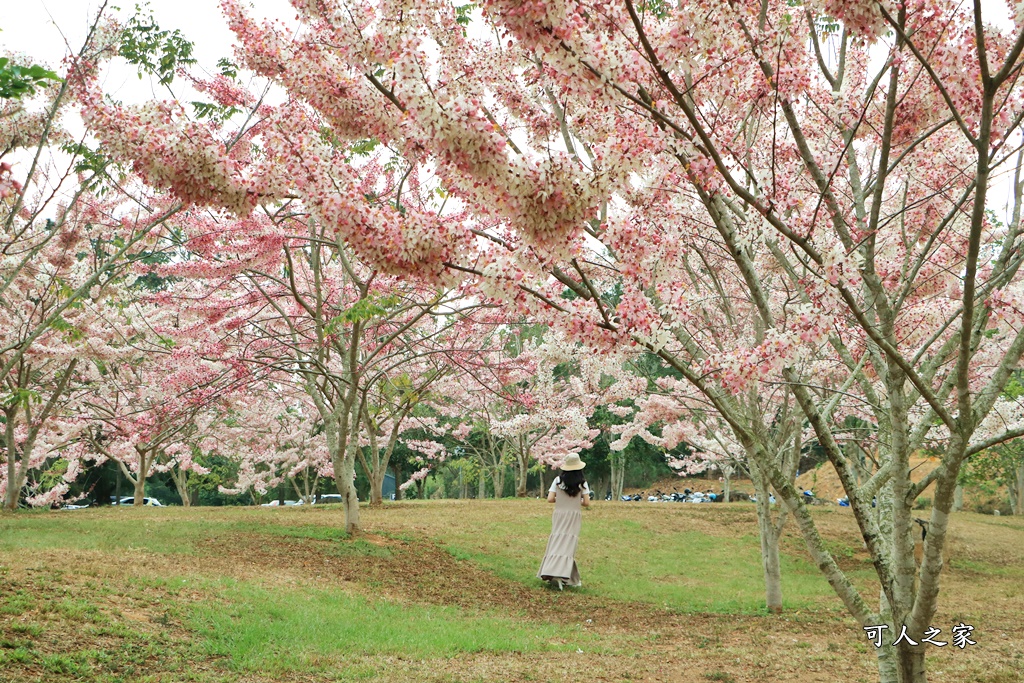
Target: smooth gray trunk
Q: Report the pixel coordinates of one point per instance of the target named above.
(1017, 492)
(16, 476)
(769, 535)
(770, 561)
(339, 430)
(911, 660)
(521, 481)
(180, 478)
(887, 671)
(376, 478)
(140, 490)
(618, 473)
(347, 488)
(498, 478)
(13, 493)
(522, 468)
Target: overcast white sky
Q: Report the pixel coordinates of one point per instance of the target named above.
(35, 26)
(47, 30)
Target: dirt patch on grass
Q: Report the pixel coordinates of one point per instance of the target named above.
(415, 571)
(62, 626)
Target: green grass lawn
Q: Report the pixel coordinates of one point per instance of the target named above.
(278, 631)
(445, 591)
(687, 571)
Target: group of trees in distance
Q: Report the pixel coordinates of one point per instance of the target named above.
(505, 232)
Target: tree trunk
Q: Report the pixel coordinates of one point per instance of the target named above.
(522, 465)
(340, 427)
(140, 490)
(727, 489)
(499, 481)
(180, 478)
(911, 663)
(377, 487)
(139, 480)
(772, 567)
(376, 463)
(1017, 492)
(888, 672)
(481, 491)
(16, 476)
(618, 473)
(13, 492)
(306, 492)
(958, 498)
(769, 543)
(346, 483)
(769, 554)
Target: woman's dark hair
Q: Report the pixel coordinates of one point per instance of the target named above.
(572, 481)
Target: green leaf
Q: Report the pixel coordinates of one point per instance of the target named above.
(364, 309)
(89, 161)
(462, 13)
(153, 50)
(19, 81)
(227, 68)
(215, 112)
(364, 147)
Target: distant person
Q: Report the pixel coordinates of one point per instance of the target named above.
(570, 494)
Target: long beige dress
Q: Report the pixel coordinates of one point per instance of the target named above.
(560, 557)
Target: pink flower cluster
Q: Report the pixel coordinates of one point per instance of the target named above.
(9, 187)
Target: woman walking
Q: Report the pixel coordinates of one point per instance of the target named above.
(570, 494)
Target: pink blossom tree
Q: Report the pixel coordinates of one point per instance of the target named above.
(474, 408)
(72, 223)
(150, 407)
(365, 346)
(275, 434)
(528, 401)
(400, 396)
(596, 153)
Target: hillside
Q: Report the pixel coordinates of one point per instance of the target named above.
(824, 481)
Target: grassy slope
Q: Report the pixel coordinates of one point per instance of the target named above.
(445, 591)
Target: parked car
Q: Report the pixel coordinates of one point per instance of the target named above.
(328, 499)
(152, 502)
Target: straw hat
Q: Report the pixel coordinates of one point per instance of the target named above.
(572, 462)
